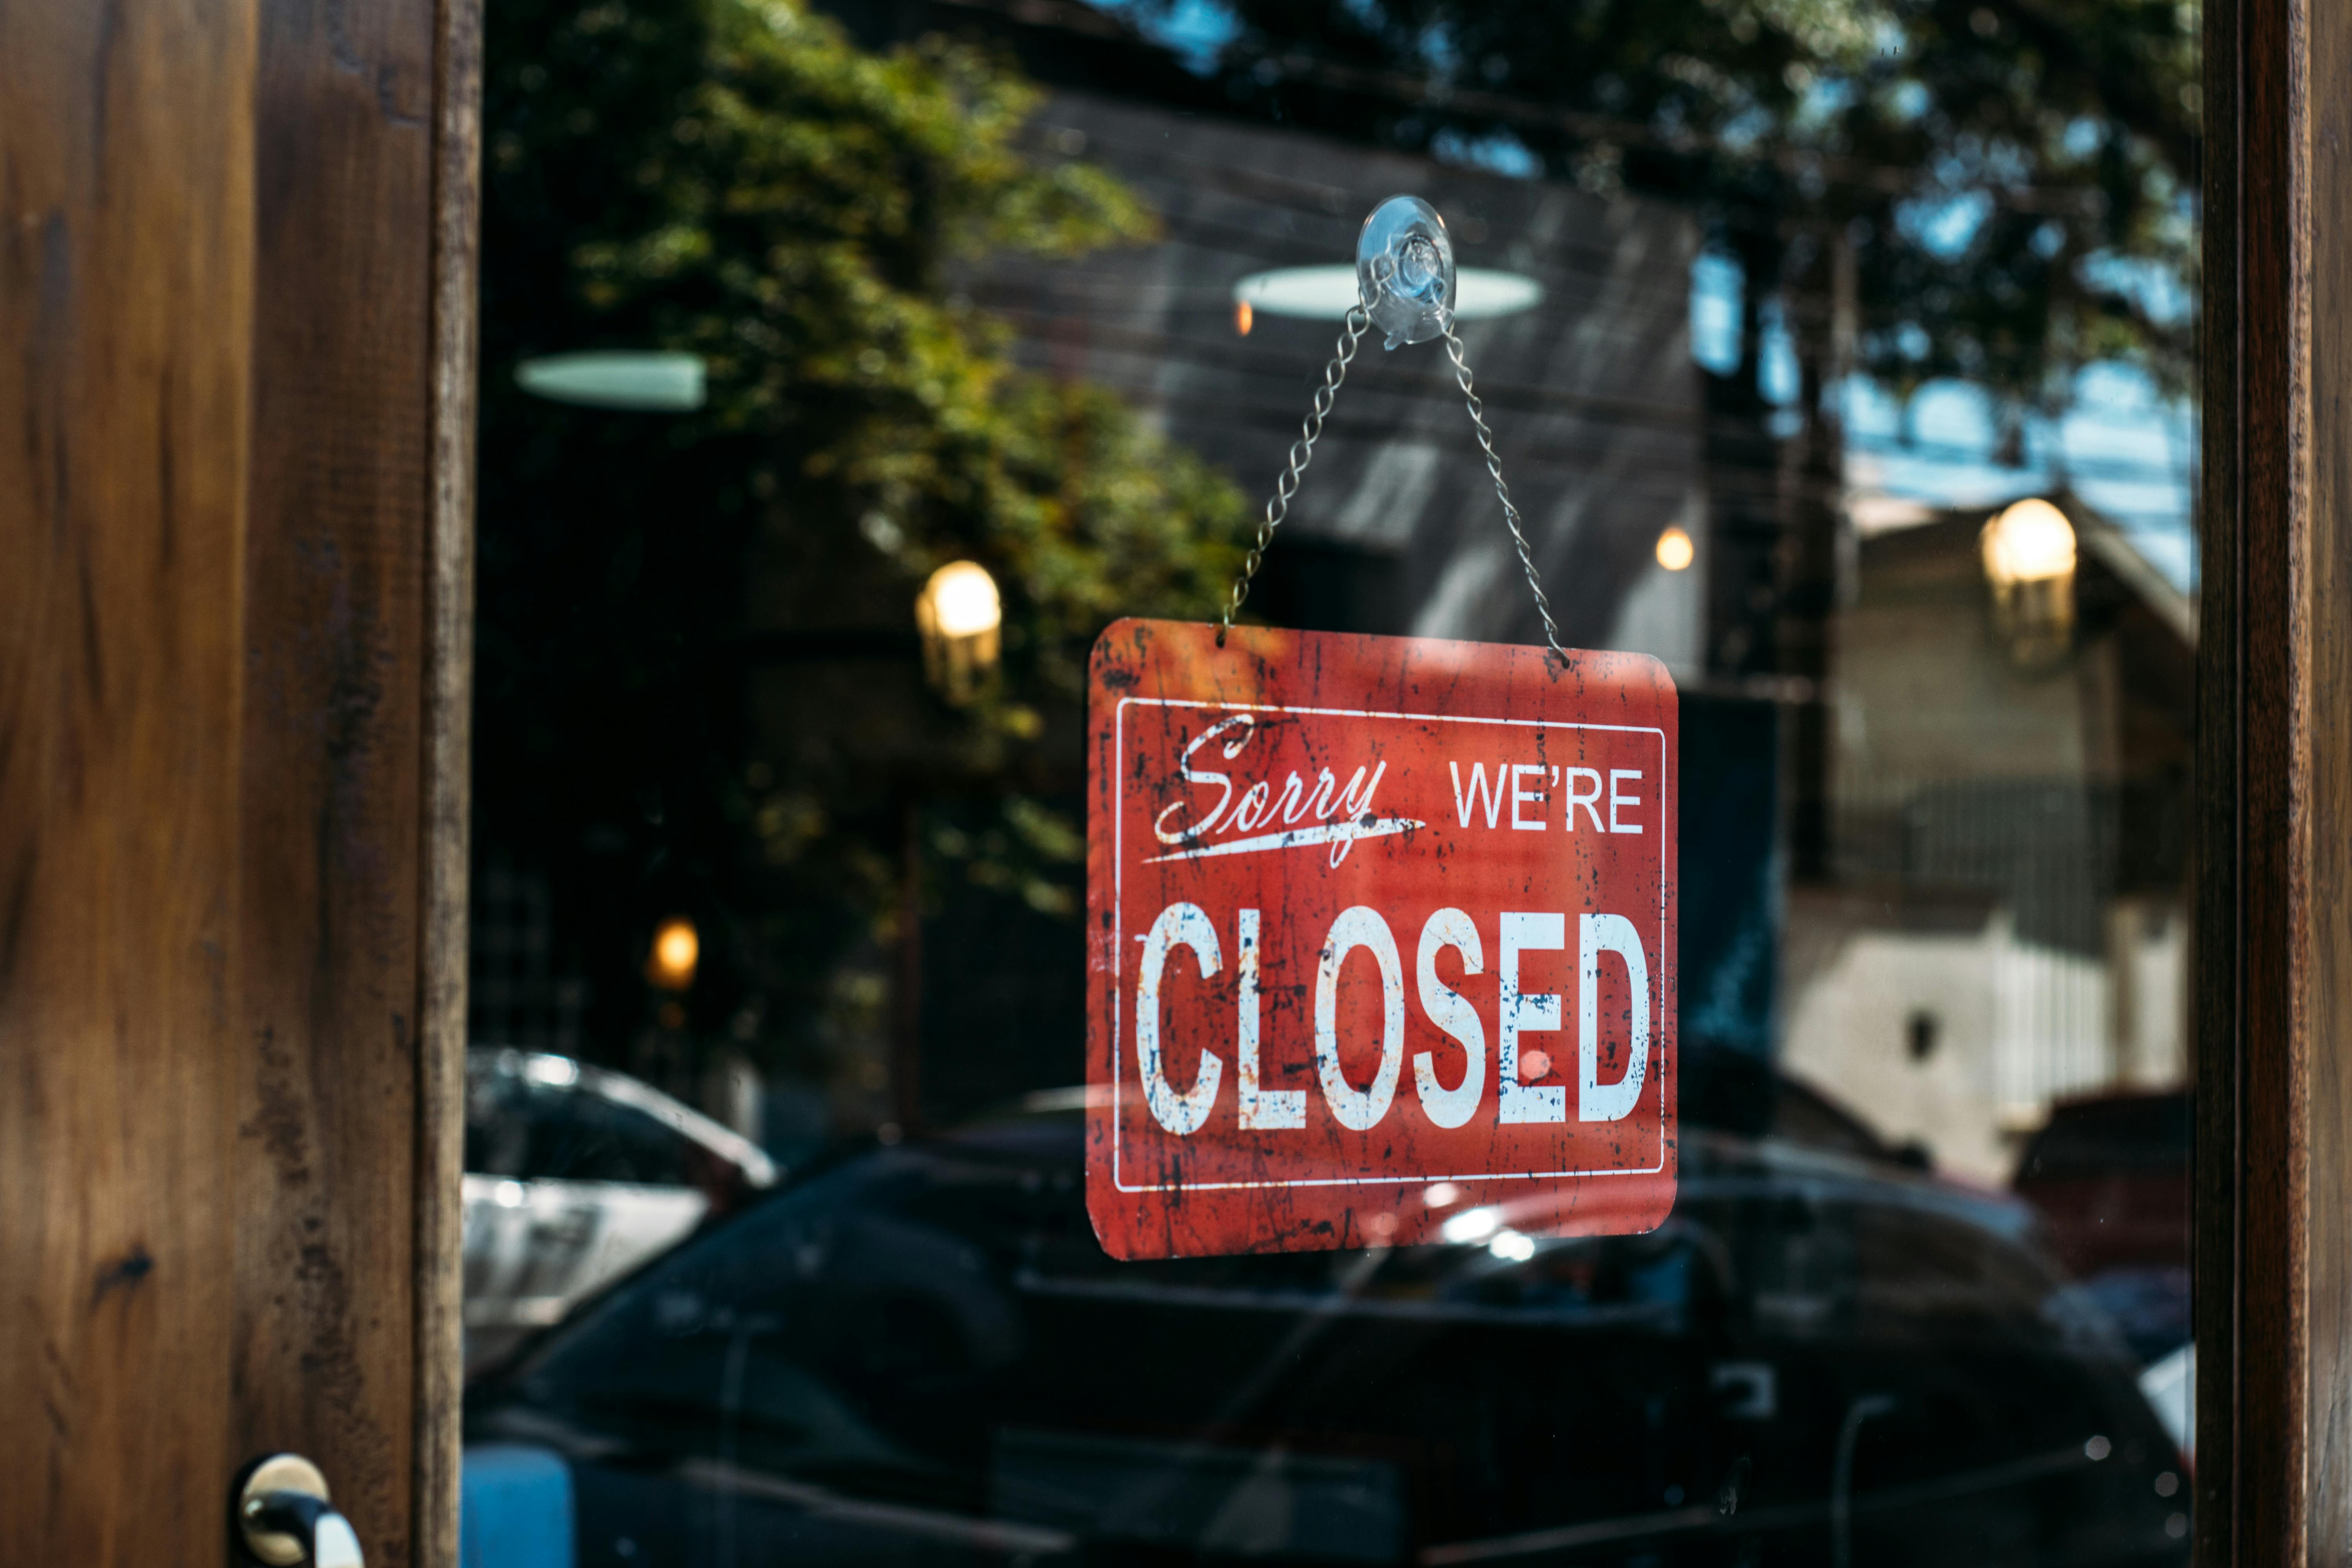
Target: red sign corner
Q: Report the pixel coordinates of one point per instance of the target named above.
(1380, 941)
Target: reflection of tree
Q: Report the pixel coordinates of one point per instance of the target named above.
(731, 178)
(2013, 178)
(1998, 190)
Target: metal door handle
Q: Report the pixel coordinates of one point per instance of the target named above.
(285, 1517)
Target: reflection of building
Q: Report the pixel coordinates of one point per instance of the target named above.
(1944, 886)
(2005, 920)
(1396, 528)
(1597, 408)
(1596, 404)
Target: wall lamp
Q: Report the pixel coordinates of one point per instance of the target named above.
(959, 616)
(2029, 565)
(677, 949)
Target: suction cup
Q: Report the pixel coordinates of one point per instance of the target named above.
(1405, 267)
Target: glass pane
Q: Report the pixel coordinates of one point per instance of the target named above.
(846, 371)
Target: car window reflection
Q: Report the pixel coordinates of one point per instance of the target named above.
(924, 1345)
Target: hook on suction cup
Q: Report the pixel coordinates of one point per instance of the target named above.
(1404, 271)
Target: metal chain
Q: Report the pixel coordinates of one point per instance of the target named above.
(1302, 452)
(1494, 468)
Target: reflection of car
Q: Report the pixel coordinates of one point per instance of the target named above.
(921, 1355)
(2110, 1176)
(1735, 1091)
(574, 1176)
(2171, 1384)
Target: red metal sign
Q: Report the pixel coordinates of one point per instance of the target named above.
(1381, 941)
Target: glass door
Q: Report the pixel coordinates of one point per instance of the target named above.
(847, 370)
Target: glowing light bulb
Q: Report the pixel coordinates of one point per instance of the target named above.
(1676, 549)
(963, 599)
(2030, 542)
(959, 614)
(677, 947)
(2029, 565)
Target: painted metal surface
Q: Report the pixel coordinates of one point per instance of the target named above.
(1381, 941)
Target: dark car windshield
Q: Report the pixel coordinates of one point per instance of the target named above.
(935, 1328)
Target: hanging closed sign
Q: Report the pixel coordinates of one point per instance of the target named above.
(1380, 941)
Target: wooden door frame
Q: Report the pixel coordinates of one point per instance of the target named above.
(236, 291)
(2273, 1157)
(2273, 1190)
(445, 946)
(2273, 1148)
(2273, 921)
(2273, 935)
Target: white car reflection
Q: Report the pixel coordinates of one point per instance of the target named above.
(575, 1176)
(2171, 1388)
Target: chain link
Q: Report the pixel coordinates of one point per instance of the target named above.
(1503, 491)
(1302, 452)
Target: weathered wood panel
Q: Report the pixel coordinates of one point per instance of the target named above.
(238, 260)
(2324, 831)
(2275, 1094)
(330, 920)
(126, 297)
(448, 767)
(2220, 1224)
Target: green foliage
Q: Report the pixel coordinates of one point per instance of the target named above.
(734, 179)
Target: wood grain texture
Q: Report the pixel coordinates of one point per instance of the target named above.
(2219, 980)
(2267, 1428)
(236, 280)
(125, 302)
(2326, 597)
(330, 928)
(2274, 1114)
(448, 717)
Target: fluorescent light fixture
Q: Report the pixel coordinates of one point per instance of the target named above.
(1324, 293)
(646, 383)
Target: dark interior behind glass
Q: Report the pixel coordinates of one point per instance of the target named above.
(1847, 368)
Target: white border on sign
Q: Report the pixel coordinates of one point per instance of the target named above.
(1118, 944)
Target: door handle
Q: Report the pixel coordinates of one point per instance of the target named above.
(285, 1519)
